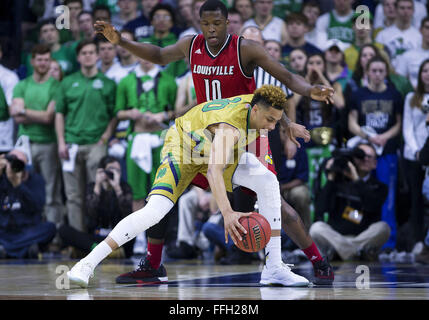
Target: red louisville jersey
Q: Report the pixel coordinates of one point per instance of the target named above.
(218, 76)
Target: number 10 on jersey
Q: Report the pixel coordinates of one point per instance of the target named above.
(212, 89)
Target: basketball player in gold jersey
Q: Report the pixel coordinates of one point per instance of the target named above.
(249, 55)
(211, 139)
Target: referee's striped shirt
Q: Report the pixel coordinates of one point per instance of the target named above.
(262, 77)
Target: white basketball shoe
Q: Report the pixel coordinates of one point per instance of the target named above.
(282, 275)
(80, 273)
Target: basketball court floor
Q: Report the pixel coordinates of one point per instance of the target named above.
(196, 280)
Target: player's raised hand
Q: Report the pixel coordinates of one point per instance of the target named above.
(108, 31)
(322, 93)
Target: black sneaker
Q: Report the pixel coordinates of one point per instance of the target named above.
(144, 274)
(323, 273)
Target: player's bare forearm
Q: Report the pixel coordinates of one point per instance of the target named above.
(298, 84)
(217, 186)
(145, 51)
(155, 54)
(220, 153)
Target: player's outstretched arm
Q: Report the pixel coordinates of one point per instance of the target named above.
(253, 55)
(146, 51)
(222, 150)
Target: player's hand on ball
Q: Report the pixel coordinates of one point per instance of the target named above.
(233, 227)
(108, 31)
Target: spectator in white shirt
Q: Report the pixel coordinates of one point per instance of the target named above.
(127, 59)
(409, 63)
(273, 28)
(316, 37)
(415, 133)
(108, 63)
(8, 80)
(385, 14)
(401, 36)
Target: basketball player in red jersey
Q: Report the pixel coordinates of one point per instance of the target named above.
(222, 66)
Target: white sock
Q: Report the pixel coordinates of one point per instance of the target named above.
(101, 251)
(273, 253)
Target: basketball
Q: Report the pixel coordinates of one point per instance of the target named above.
(258, 233)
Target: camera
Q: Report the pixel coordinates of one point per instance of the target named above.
(15, 164)
(109, 174)
(341, 158)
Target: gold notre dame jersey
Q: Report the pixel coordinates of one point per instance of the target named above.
(187, 145)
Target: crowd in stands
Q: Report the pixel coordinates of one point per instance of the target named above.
(82, 123)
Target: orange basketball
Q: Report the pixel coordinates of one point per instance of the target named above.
(258, 233)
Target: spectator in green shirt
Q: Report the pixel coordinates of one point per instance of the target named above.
(84, 122)
(146, 97)
(162, 19)
(72, 34)
(64, 54)
(33, 109)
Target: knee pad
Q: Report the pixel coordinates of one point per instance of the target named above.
(269, 201)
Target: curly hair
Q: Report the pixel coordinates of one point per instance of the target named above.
(271, 96)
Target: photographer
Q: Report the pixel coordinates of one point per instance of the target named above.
(22, 196)
(376, 115)
(353, 198)
(108, 200)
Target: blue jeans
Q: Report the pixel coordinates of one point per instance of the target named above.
(216, 234)
(387, 172)
(17, 243)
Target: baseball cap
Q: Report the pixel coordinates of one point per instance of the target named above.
(335, 43)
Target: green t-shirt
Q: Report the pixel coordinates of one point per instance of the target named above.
(112, 4)
(401, 83)
(37, 96)
(284, 7)
(176, 68)
(4, 109)
(65, 56)
(160, 98)
(340, 30)
(87, 105)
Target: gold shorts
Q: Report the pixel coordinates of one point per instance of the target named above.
(175, 174)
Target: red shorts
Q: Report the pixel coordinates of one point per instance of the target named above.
(261, 148)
